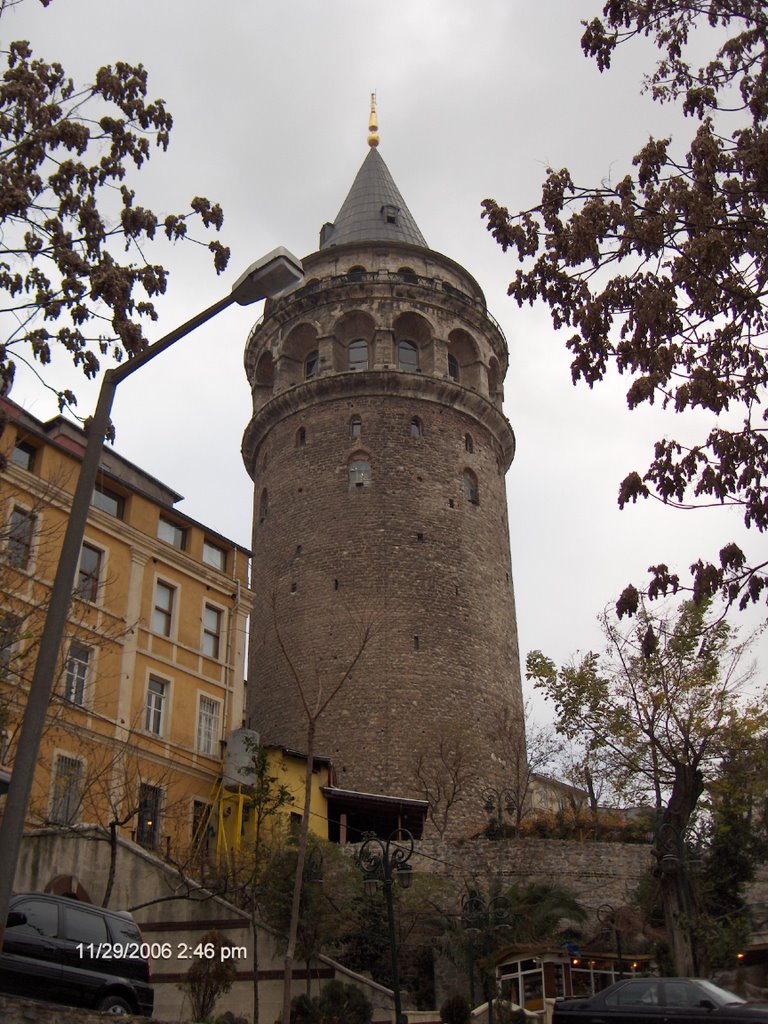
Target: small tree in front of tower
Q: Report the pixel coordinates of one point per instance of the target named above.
(317, 683)
(444, 767)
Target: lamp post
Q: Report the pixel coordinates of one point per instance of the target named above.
(496, 802)
(273, 275)
(482, 917)
(381, 862)
(606, 915)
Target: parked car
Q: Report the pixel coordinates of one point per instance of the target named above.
(65, 951)
(673, 1000)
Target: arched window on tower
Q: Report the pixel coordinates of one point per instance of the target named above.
(263, 505)
(415, 427)
(469, 444)
(453, 368)
(357, 355)
(408, 356)
(301, 437)
(355, 426)
(471, 490)
(359, 470)
(311, 364)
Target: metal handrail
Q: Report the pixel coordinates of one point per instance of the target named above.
(379, 277)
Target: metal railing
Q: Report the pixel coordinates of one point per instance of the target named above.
(433, 284)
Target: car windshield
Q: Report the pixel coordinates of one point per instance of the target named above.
(719, 995)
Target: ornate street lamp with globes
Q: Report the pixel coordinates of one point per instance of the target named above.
(381, 862)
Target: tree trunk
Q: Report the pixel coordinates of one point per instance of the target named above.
(299, 877)
(112, 863)
(677, 895)
(255, 933)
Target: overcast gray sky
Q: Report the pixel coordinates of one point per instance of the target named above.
(475, 99)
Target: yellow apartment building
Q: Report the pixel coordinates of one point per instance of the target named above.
(151, 676)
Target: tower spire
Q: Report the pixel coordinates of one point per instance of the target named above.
(373, 124)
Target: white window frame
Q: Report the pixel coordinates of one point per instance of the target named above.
(214, 555)
(157, 706)
(209, 636)
(62, 812)
(77, 673)
(94, 591)
(208, 724)
(167, 616)
(10, 634)
(27, 543)
(155, 826)
(171, 532)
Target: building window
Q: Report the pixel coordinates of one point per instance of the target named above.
(162, 613)
(9, 637)
(20, 534)
(203, 827)
(157, 693)
(207, 725)
(357, 355)
(311, 364)
(359, 472)
(453, 367)
(471, 490)
(414, 427)
(301, 437)
(211, 631)
(89, 573)
(76, 674)
(67, 784)
(148, 825)
(355, 426)
(469, 445)
(23, 455)
(214, 555)
(263, 505)
(171, 533)
(108, 501)
(389, 213)
(407, 356)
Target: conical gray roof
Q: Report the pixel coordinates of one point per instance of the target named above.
(374, 210)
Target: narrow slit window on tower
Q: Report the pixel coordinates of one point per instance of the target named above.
(311, 364)
(469, 444)
(408, 356)
(453, 367)
(471, 489)
(415, 427)
(359, 471)
(301, 437)
(355, 426)
(263, 505)
(357, 355)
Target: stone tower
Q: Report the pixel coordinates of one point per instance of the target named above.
(378, 449)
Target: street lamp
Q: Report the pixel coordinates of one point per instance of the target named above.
(381, 862)
(270, 277)
(480, 918)
(496, 802)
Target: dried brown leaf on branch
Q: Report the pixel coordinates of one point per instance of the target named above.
(662, 276)
(75, 266)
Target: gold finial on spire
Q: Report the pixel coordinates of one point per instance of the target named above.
(373, 124)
